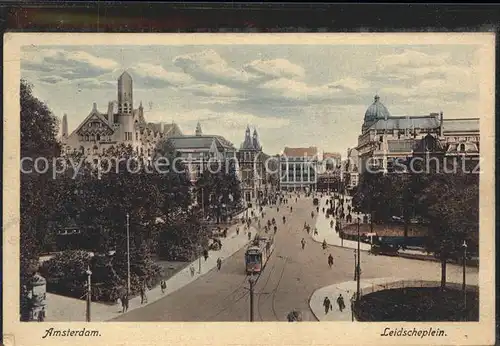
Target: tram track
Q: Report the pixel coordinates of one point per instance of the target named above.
(272, 293)
(231, 294)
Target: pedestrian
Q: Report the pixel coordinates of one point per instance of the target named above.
(237, 230)
(340, 302)
(205, 254)
(144, 297)
(278, 209)
(41, 315)
(163, 286)
(275, 229)
(330, 260)
(191, 269)
(324, 244)
(124, 304)
(249, 235)
(327, 304)
(219, 263)
(315, 231)
(303, 243)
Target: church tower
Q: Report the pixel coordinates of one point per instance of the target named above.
(125, 106)
(65, 126)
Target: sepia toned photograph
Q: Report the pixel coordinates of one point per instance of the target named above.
(172, 179)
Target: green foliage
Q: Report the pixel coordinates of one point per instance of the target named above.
(448, 202)
(182, 240)
(217, 187)
(38, 129)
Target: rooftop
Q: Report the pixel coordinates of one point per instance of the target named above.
(300, 152)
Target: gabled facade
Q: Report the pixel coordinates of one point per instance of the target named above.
(253, 174)
(195, 152)
(120, 124)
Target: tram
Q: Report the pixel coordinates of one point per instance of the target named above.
(258, 253)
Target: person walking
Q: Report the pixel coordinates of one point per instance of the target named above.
(303, 243)
(191, 269)
(124, 300)
(144, 297)
(219, 263)
(330, 260)
(163, 286)
(205, 254)
(41, 315)
(327, 305)
(324, 244)
(237, 230)
(340, 302)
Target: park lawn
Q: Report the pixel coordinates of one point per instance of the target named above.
(418, 304)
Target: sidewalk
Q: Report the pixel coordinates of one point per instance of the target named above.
(325, 232)
(60, 308)
(347, 289)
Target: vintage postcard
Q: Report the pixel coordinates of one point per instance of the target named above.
(307, 188)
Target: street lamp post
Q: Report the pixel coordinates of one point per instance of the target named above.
(199, 259)
(355, 264)
(128, 256)
(464, 288)
(89, 292)
(358, 269)
(251, 281)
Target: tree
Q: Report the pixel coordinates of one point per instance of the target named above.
(39, 128)
(453, 209)
(217, 186)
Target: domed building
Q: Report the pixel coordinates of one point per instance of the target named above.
(386, 138)
(375, 112)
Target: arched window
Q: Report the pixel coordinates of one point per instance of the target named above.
(95, 149)
(86, 138)
(98, 137)
(461, 147)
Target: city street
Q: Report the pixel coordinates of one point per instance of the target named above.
(287, 282)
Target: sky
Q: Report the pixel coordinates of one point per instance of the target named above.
(295, 95)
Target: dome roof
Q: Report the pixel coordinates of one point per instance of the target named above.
(377, 110)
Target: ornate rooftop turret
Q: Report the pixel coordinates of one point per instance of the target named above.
(255, 140)
(198, 131)
(248, 142)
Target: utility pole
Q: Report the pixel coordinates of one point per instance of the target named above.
(89, 292)
(464, 288)
(252, 282)
(358, 268)
(128, 256)
(355, 265)
(199, 260)
(202, 204)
